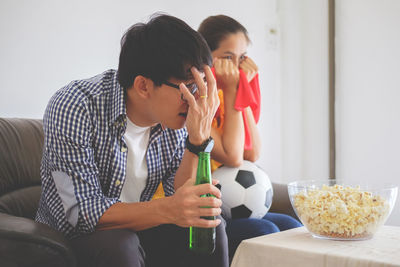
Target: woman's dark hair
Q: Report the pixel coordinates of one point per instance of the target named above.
(215, 29)
(163, 48)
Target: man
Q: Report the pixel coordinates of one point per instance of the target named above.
(111, 140)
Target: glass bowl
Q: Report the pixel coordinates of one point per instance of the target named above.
(338, 210)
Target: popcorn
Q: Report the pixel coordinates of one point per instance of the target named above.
(341, 212)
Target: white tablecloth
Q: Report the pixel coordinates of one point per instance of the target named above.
(296, 247)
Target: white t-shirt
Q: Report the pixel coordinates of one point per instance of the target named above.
(137, 140)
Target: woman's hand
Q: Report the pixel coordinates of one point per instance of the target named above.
(202, 108)
(227, 75)
(249, 67)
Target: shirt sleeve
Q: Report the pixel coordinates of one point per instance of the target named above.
(70, 163)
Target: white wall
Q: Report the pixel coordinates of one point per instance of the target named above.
(368, 92)
(304, 88)
(47, 43)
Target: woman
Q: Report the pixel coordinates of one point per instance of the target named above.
(235, 126)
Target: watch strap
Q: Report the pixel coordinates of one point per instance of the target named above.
(206, 146)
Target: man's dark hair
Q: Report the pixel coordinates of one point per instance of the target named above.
(215, 29)
(163, 48)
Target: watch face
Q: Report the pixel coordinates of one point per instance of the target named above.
(209, 146)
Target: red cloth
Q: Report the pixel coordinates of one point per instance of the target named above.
(248, 95)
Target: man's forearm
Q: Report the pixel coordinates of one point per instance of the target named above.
(181, 209)
(136, 216)
(187, 169)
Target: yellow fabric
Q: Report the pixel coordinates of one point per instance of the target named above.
(218, 123)
(159, 192)
(214, 165)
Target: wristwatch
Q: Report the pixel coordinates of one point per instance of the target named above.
(206, 146)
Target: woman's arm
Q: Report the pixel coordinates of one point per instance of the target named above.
(254, 153)
(229, 144)
(251, 69)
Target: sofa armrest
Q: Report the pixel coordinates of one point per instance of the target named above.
(24, 242)
(281, 202)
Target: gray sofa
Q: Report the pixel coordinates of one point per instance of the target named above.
(24, 242)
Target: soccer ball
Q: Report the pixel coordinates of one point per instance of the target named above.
(246, 191)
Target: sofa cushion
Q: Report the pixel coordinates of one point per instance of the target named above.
(22, 202)
(24, 242)
(21, 144)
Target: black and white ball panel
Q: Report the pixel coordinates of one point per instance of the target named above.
(246, 191)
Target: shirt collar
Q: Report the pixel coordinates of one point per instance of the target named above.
(118, 103)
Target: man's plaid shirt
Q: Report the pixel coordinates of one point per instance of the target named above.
(84, 158)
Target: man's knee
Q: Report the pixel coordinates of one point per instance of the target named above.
(122, 241)
(221, 231)
(117, 247)
(221, 249)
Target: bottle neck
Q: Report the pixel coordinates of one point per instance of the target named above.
(204, 155)
(203, 169)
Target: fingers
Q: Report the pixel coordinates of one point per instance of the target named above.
(208, 212)
(215, 181)
(217, 64)
(230, 67)
(209, 202)
(227, 75)
(203, 189)
(245, 65)
(252, 63)
(224, 66)
(203, 217)
(187, 95)
(211, 83)
(205, 90)
(190, 206)
(199, 81)
(249, 65)
(206, 223)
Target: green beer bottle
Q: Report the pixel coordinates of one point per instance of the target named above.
(202, 240)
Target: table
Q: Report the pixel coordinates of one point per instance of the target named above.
(296, 247)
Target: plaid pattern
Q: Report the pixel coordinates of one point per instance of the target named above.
(84, 127)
